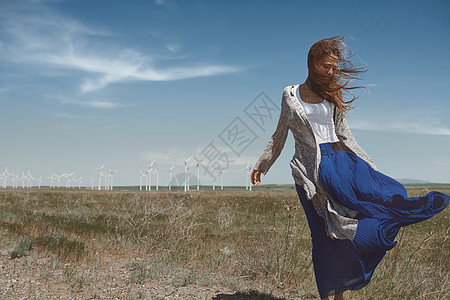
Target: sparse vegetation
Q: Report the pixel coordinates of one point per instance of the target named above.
(22, 249)
(255, 243)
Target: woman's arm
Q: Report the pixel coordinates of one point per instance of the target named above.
(276, 142)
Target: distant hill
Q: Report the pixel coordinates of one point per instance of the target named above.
(411, 181)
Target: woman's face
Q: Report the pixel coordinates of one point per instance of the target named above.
(327, 66)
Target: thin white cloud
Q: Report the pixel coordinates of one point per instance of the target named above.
(100, 104)
(121, 72)
(163, 2)
(174, 48)
(416, 127)
(443, 161)
(43, 37)
(421, 127)
(106, 104)
(74, 117)
(3, 90)
(372, 85)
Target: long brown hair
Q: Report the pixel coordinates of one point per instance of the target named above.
(336, 88)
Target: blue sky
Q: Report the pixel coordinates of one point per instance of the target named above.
(84, 83)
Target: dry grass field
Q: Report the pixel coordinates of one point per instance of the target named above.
(232, 244)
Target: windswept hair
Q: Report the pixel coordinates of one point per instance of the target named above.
(336, 88)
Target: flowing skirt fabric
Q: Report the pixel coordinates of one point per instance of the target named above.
(383, 207)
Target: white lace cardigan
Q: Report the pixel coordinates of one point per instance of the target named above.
(340, 221)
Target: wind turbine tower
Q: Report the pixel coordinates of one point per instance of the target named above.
(107, 181)
(188, 178)
(15, 178)
(92, 183)
(157, 176)
(100, 175)
(23, 180)
(58, 178)
(198, 175)
(52, 180)
(149, 176)
(221, 178)
(248, 171)
(111, 182)
(141, 174)
(186, 174)
(213, 179)
(77, 181)
(170, 178)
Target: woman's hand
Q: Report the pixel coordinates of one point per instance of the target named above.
(255, 177)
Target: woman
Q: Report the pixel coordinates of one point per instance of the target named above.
(354, 212)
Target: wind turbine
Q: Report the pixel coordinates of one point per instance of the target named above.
(170, 177)
(100, 175)
(213, 179)
(148, 176)
(221, 178)
(52, 178)
(58, 180)
(23, 180)
(107, 180)
(186, 174)
(55, 178)
(92, 183)
(248, 171)
(157, 175)
(8, 174)
(198, 174)
(30, 179)
(39, 180)
(73, 181)
(111, 179)
(188, 178)
(77, 181)
(15, 178)
(150, 173)
(5, 176)
(68, 178)
(141, 174)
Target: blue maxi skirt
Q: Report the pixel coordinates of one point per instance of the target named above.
(383, 207)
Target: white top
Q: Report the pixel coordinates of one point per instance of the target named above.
(320, 116)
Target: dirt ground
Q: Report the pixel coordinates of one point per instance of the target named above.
(41, 276)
